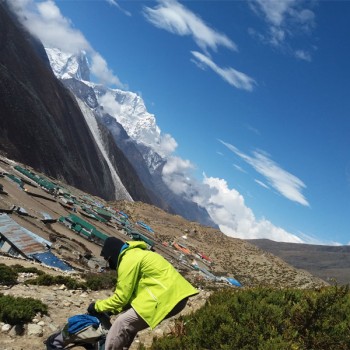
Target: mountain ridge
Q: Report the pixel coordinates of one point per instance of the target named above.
(330, 263)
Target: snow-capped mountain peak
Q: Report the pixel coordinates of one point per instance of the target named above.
(68, 65)
(126, 107)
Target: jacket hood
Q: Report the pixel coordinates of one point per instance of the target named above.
(137, 244)
(111, 251)
(132, 245)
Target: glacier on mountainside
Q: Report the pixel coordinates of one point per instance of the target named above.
(120, 190)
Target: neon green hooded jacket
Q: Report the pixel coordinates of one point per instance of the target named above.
(148, 282)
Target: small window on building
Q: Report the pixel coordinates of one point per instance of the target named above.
(13, 251)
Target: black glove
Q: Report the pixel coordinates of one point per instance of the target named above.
(91, 309)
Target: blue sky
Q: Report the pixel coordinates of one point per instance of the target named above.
(253, 95)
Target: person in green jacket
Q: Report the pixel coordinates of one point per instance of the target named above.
(148, 290)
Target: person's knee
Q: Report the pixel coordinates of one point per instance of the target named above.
(120, 340)
(124, 330)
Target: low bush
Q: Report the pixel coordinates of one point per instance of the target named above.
(20, 269)
(8, 276)
(91, 281)
(19, 310)
(100, 281)
(266, 319)
(49, 280)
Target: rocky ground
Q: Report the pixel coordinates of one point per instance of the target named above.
(230, 257)
(64, 303)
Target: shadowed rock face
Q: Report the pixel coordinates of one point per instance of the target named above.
(40, 122)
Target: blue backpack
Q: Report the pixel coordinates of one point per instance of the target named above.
(81, 330)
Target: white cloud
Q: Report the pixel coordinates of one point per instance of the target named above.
(284, 18)
(312, 239)
(230, 75)
(287, 184)
(303, 55)
(167, 145)
(252, 129)
(277, 36)
(100, 69)
(227, 208)
(239, 168)
(262, 184)
(176, 175)
(110, 104)
(274, 11)
(172, 16)
(116, 4)
(45, 21)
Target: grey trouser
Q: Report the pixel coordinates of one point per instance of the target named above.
(128, 324)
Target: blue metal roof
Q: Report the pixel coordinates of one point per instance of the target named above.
(234, 282)
(19, 237)
(50, 259)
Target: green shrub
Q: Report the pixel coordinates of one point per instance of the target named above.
(19, 310)
(19, 268)
(100, 281)
(92, 281)
(266, 319)
(49, 280)
(8, 276)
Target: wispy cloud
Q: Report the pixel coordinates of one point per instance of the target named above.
(172, 16)
(230, 75)
(287, 184)
(262, 184)
(239, 168)
(45, 21)
(116, 4)
(252, 129)
(303, 55)
(274, 11)
(312, 239)
(285, 19)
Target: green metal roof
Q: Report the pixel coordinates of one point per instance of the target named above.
(79, 221)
